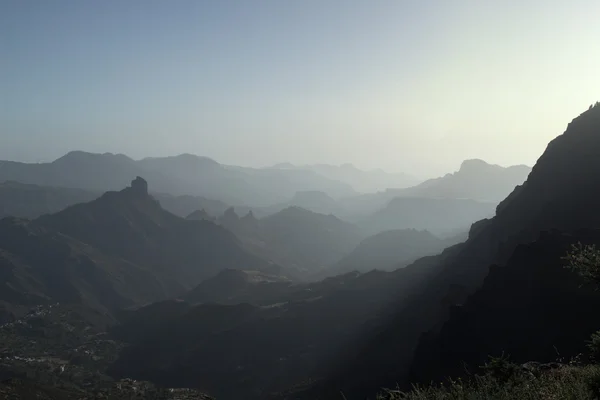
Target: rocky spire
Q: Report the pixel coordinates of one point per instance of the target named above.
(139, 186)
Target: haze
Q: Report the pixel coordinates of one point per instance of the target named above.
(407, 86)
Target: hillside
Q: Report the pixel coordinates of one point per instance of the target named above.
(390, 250)
(558, 195)
(306, 240)
(118, 250)
(301, 241)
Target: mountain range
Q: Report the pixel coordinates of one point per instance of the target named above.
(118, 250)
(357, 333)
(362, 181)
(180, 175)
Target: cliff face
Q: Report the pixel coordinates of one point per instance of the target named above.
(560, 193)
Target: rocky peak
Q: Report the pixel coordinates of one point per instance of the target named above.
(139, 186)
(473, 165)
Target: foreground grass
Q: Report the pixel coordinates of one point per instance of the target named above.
(568, 382)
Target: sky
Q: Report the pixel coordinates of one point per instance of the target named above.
(415, 86)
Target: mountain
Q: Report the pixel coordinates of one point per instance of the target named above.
(200, 215)
(362, 181)
(31, 201)
(184, 205)
(390, 250)
(531, 308)
(180, 175)
(437, 215)
(300, 240)
(475, 180)
(280, 336)
(118, 250)
(559, 194)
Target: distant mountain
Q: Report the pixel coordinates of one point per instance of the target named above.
(362, 181)
(309, 239)
(200, 215)
(31, 201)
(300, 240)
(475, 180)
(180, 175)
(390, 250)
(120, 249)
(437, 215)
(184, 205)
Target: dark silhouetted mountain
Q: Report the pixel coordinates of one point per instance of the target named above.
(440, 216)
(120, 249)
(246, 351)
(531, 308)
(559, 194)
(361, 181)
(390, 250)
(181, 175)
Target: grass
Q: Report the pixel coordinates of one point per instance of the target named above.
(565, 383)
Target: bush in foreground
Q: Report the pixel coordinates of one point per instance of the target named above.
(563, 383)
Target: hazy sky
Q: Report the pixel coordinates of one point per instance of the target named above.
(413, 86)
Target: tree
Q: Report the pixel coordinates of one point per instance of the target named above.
(585, 261)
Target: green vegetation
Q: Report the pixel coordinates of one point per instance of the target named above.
(565, 382)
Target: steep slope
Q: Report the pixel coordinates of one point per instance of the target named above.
(132, 225)
(118, 250)
(40, 265)
(558, 194)
(532, 308)
(390, 250)
(439, 216)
